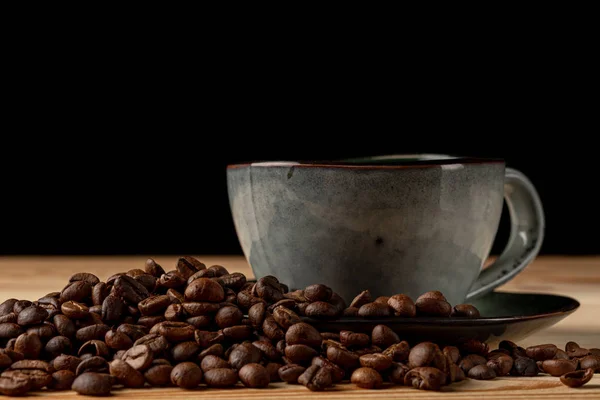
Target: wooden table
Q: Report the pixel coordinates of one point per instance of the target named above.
(32, 277)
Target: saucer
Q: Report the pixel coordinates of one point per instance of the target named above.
(504, 316)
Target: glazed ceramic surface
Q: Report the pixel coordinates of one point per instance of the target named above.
(409, 227)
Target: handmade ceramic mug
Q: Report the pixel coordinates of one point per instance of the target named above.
(390, 224)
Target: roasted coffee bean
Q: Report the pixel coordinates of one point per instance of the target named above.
(207, 338)
(382, 299)
(188, 266)
(85, 276)
(271, 329)
(92, 332)
(32, 364)
(361, 299)
(470, 361)
(171, 280)
(575, 379)
(195, 309)
(10, 317)
(574, 351)
(244, 354)
(321, 310)
(452, 352)
(425, 378)
(117, 340)
(592, 362)
(232, 281)
(48, 301)
(93, 384)
(65, 361)
(481, 372)
(402, 305)
(175, 331)
(351, 339)
(377, 361)
(55, 347)
(273, 370)
(296, 295)
(20, 305)
(303, 333)
(300, 353)
(74, 310)
(433, 304)
(150, 321)
(501, 364)
(524, 366)
(220, 377)
(398, 351)
(29, 345)
(542, 352)
(99, 293)
(213, 350)
(245, 300)
(465, 311)
(268, 350)
(112, 308)
(317, 292)
(228, 316)
(15, 385)
(185, 351)
(129, 289)
(62, 380)
(350, 312)
(383, 336)
(139, 357)
(154, 305)
(76, 291)
(342, 357)
(337, 373)
(200, 322)
(153, 268)
(315, 378)
(38, 378)
(397, 372)
(254, 375)
(285, 302)
(473, 346)
(64, 326)
(427, 354)
(174, 312)
(331, 335)
(211, 362)
(186, 375)
(158, 375)
(10, 330)
(32, 315)
(92, 364)
(204, 289)
(126, 374)
(175, 296)
(559, 367)
(155, 342)
(366, 378)
(285, 317)
(269, 289)
(7, 306)
(375, 310)
(290, 373)
(561, 354)
(5, 361)
(119, 355)
(218, 270)
(368, 350)
(594, 352)
(205, 273)
(257, 314)
(133, 331)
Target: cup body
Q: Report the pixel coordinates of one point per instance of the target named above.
(402, 228)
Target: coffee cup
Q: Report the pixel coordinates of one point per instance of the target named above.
(390, 224)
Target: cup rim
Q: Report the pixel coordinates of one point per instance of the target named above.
(406, 161)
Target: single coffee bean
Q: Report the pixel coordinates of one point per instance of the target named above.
(481, 372)
(133, 331)
(361, 299)
(465, 311)
(5, 361)
(92, 364)
(150, 321)
(56, 346)
(186, 375)
(541, 352)
(285, 317)
(39, 378)
(10, 317)
(175, 296)
(92, 319)
(126, 374)
(398, 351)
(158, 375)
(220, 377)
(368, 350)
(175, 331)
(245, 299)
(238, 333)
(559, 367)
(64, 326)
(303, 333)
(244, 354)
(383, 336)
(273, 368)
(62, 380)
(342, 357)
(113, 308)
(473, 346)
(254, 376)
(228, 316)
(92, 384)
(185, 351)
(397, 373)
(433, 304)
(317, 292)
(377, 361)
(232, 281)
(561, 354)
(366, 378)
(524, 366)
(29, 345)
(296, 295)
(153, 268)
(219, 270)
(269, 351)
(269, 289)
(592, 362)
(65, 361)
(321, 310)
(577, 378)
(76, 291)
(290, 373)
(402, 305)
(425, 378)
(213, 350)
(10, 330)
(174, 312)
(315, 378)
(351, 339)
(85, 276)
(286, 303)
(427, 354)
(452, 352)
(20, 305)
(154, 305)
(188, 266)
(594, 352)
(212, 362)
(74, 310)
(129, 289)
(139, 357)
(257, 314)
(207, 338)
(271, 329)
(204, 289)
(32, 315)
(300, 353)
(15, 385)
(374, 310)
(337, 373)
(99, 293)
(92, 332)
(117, 340)
(470, 361)
(574, 351)
(155, 342)
(501, 364)
(7, 306)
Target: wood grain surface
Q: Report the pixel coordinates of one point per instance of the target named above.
(578, 277)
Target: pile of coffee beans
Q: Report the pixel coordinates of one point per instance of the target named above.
(196, 327)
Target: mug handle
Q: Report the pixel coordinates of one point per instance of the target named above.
(526, 234)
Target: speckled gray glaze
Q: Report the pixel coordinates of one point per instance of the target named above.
(390, 229)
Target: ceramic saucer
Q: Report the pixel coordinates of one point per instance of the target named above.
(504, 316)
